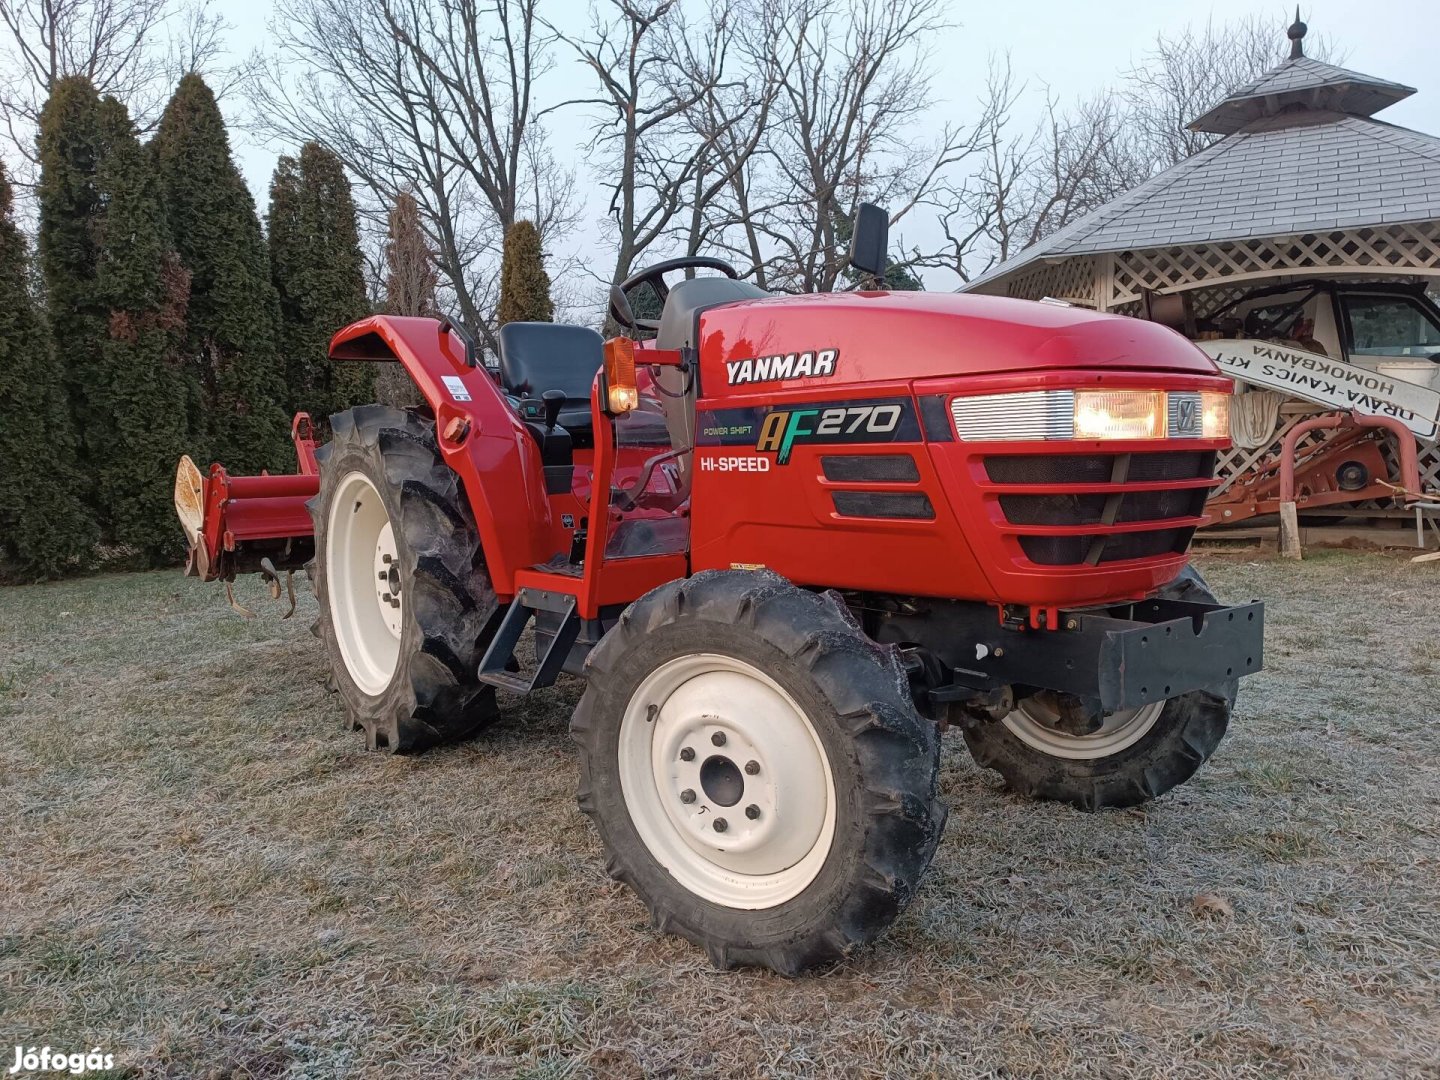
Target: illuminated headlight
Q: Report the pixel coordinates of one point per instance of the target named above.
(1214, 416)
(1092, 414)
(1119, 414)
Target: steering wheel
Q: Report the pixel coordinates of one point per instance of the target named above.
(620, 309)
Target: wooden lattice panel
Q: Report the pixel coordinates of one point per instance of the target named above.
(1072, 279)
(1429, 465)
(1414, 248)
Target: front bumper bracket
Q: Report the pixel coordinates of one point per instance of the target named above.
(1122, 658)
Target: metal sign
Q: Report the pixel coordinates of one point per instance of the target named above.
(1332, 383)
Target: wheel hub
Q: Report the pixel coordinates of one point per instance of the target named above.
(719, 806)
(722, 780)
(387, 580)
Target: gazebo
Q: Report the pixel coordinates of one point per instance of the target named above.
(1304, 183)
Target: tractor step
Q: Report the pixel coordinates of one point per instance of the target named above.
(494, 668)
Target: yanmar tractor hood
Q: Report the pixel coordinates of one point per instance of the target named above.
(848, 338)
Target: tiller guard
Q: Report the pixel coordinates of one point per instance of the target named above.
(250, 524)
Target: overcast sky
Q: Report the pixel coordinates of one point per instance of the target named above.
(1073, 48)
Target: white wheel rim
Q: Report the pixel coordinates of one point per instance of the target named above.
(768, 758)
(362, 574)
(1032, 722)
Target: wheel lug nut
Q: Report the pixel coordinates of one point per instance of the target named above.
(752, 811)
(721, 824)
(718, 738)
(687, 796)
(384, 575)
(687, 754)
(385, 558)
(752, 767)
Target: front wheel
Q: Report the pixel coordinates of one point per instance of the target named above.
(757, 771)
(1134, 756)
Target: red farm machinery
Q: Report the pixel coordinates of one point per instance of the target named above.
(786, 541)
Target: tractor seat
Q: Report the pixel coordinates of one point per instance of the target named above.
(539, 356)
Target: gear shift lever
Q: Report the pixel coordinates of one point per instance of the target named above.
(554, 401)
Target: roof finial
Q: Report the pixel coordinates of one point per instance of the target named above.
(1296, 34)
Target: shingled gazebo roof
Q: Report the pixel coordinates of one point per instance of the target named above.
(1301, 83)
(1301, 155)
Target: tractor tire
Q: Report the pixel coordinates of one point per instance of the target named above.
(1135, 757)
(735, 695)
(399, 574)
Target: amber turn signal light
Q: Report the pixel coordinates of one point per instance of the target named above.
(622, 395)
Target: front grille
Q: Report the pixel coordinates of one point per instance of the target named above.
(1102, 509)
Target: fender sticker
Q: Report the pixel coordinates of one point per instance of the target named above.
(456, 387)
(826, 423)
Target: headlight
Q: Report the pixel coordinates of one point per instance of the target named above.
(1214, 415)
(1108, 415)
(1119, 414)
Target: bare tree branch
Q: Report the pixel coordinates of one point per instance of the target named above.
(135, 50)
(432, 96)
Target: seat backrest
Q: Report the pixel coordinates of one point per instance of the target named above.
(679, 326)
(688, 298)
(538, 356)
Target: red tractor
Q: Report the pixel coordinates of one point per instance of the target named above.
(785, 540)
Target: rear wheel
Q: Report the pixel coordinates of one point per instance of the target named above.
(400, 577)
(757, 771)
(1134, 756)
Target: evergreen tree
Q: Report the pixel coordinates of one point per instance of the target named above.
(524, 285)
(319, 274)
(44, 527)
(410, 283)
(232, 324)
(73, 142)
(144, 389)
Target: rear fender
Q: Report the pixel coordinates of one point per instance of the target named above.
(480, 437)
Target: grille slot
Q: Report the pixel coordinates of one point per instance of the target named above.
(912, 506)
(1090, 509)
(1098, 468)
(875, 468)
(1157, 505)
(1048, 469)
(1071, 550)
(1053, 509)
(1175, 465)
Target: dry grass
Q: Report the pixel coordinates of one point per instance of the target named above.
(204, 875)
